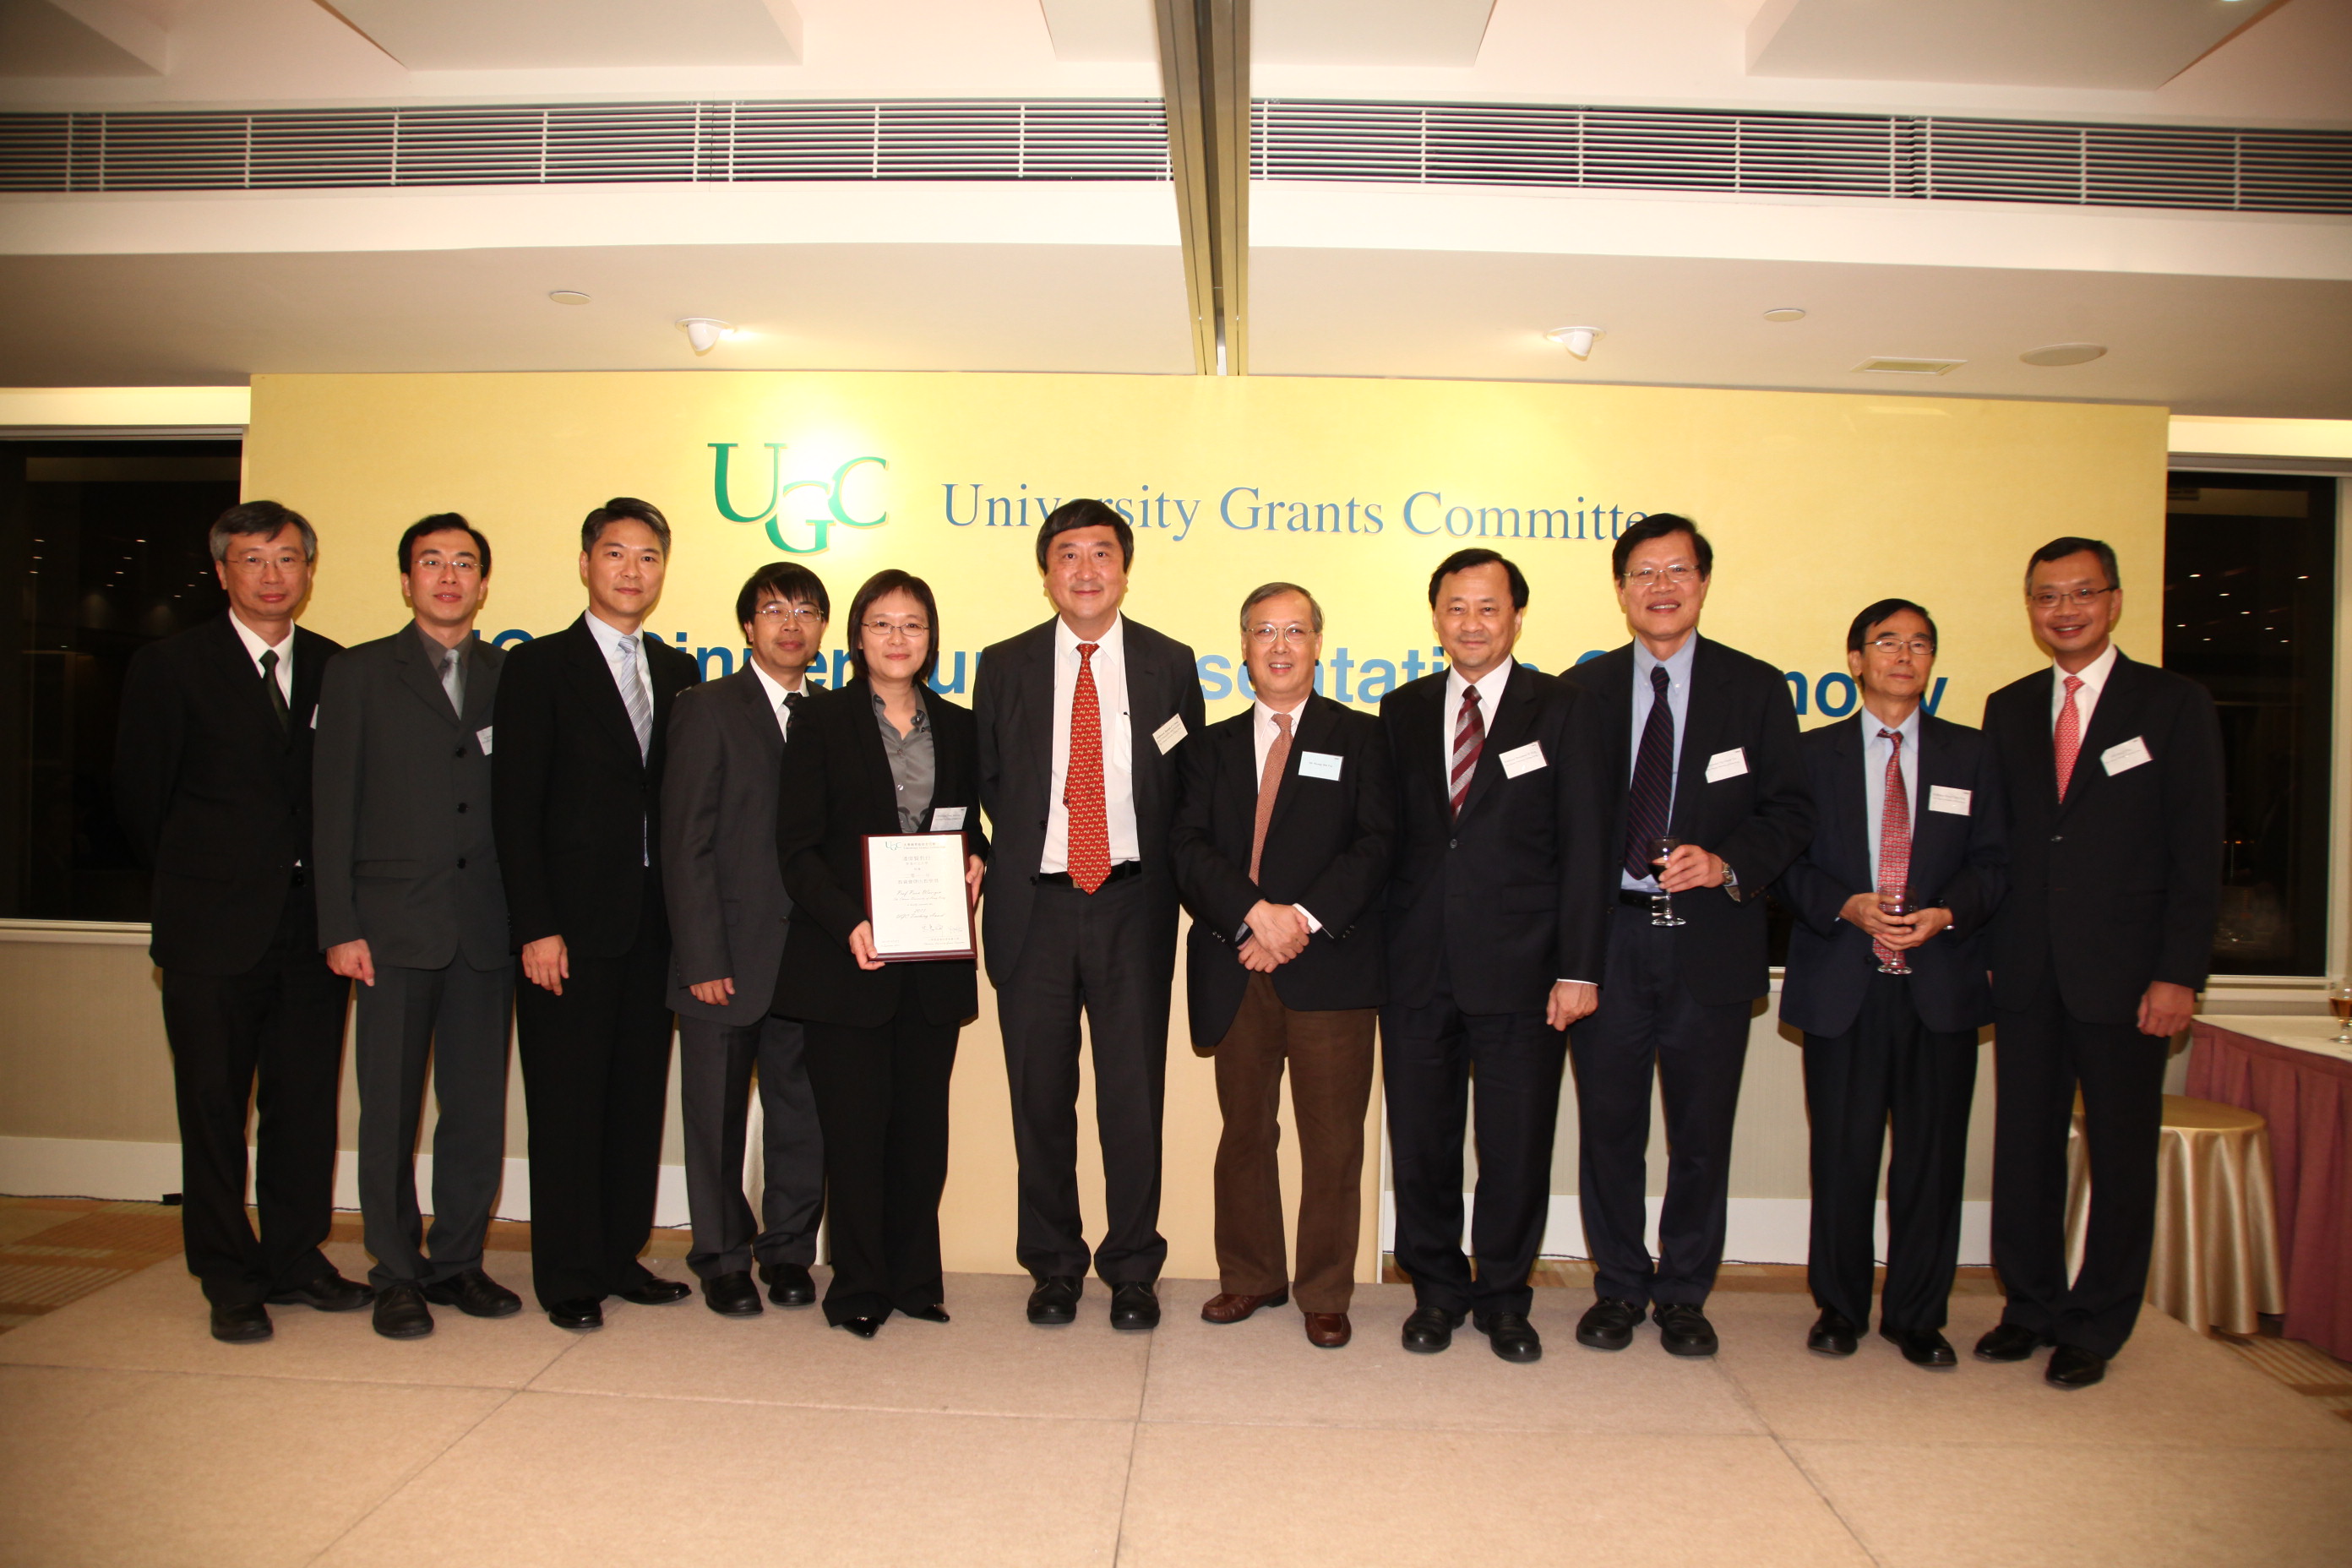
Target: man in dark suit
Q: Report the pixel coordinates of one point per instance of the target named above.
(1281, 846)
(1079, 719)
(2113, 770)
(582, 717)
(729, 914)
(1493, 941)
(410, 906)
(212, 782)
(1909, 814)
(1709, 804)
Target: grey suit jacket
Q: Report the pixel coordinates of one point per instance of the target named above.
(720, 880)
(400, 805)
(1013, 697)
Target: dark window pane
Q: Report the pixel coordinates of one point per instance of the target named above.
(2250, 610)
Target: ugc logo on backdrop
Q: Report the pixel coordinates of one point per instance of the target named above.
(811, 529)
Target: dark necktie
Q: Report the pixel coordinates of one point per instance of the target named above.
(1469, 743)
(792, 700)
(277, 697)
(1651, 798)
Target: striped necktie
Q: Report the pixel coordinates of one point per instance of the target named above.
(1469, 739)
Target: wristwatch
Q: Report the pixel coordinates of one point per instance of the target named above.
(1731, 883)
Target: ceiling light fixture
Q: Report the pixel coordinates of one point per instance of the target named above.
(1576, 341)
(1785, 313)
(567, 296)
(1889, 364)
(2050, 354)
(704, 331)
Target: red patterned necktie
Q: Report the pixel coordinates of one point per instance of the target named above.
(1469, 739)
(2067, 740)
(1894, 835)
(1088, 855)
(1269, 785)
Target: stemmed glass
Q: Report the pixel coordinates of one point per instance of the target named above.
(2339, 1000)
(1662, 904)
(1894, 903)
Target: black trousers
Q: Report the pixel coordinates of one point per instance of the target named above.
(271, 1038)
(715, 1064)
(1095, 953)
(1430, 1055)
(454, 1019)
(882, 1101)
(596, 1078)
(1647, 1028)
(2041, 1055)
(1888, 1066)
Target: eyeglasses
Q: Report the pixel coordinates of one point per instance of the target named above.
(444, 564)
(1917, 647)
(1267, 636)
(254, 562)
(887, 629)
(1650, 576)
(775, 608)
(2050, 598)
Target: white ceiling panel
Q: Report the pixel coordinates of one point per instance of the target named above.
(508, 35)
(1446, 33)
(2138, 45)
(78, 39)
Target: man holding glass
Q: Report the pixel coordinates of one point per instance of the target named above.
(1908, 861)
(2113, 770)
(1708, 805)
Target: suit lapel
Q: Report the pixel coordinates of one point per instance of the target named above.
(417, 674)
(866, 731)
(750, 696)
(598, 689)
(2115, 719)
(481, 684)
(254, 708)
(1316, 719)
(1514, 715)
(1706, 677)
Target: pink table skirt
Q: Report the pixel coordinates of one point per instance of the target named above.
(2307, 1100)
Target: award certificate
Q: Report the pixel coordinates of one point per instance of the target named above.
(915, 896)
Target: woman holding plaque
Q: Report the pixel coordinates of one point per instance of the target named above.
(878, 835)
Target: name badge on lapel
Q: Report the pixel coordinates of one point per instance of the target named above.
(1524, 759)
(947, 819)
(1728, 764)
(2124, 758)
(1318, 765)
(482, 738)
(1169, 734)
(1944, 797)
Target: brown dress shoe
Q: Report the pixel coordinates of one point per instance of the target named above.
(1328, 1330)
(1225, 1306)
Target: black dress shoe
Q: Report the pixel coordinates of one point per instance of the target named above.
(1055, 1301)
(1511, 1336)
(656, 1291)
(1428, 1330)
(329, 1292)
(1134, 1307)
(248, 1324)
(864, 1328)
(2008, 1341)
(732, 1295)
(401, 1313)
(2072, 1366)
(1683, 1329)
(934, 1313)
(789, 1284)
(1922, 1347)
(1607, 1324)
(580, 1313)
(1832, 1334)
(476, 1294)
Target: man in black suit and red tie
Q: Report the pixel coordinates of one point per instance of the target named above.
(212, 782)
(1910, 814)
(1281, 850)
(2113, 770)
(576, 785)
(1494, 938)
(1080, 719)
(1709, 805)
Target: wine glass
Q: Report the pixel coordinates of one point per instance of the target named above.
(2339, 1001)
(1662, 904)
(1894, 903)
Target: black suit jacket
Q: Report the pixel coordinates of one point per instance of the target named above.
(2121, 885)
(1012, 699)
(578, 809)
(1757, 820)
(720, 883)
(216, 797)
(406, 855)
(1499, 903)
(837, 788)
(1959, 860)
(1326, 848)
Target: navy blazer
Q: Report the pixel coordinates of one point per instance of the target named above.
(1959, 859)
(1326, 848)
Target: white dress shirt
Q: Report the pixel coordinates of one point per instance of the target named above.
(2093, 676)
(1263, 730)
(1110, 667)
(1873, 776)
(777, 691)
(255, 648)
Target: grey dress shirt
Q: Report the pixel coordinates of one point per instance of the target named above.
(914, 766)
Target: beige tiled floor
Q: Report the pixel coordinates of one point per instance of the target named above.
(127, 1437)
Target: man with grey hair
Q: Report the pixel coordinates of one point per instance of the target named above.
(212, 780)
(1281, 847)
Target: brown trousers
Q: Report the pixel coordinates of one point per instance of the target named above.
(1330, 1057)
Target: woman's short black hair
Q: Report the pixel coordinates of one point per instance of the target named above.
(1085, 513)
(438, 522)
(1463, 560)
(787, 579)
(883, 583)
(1658, 525)
(1885, 610)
